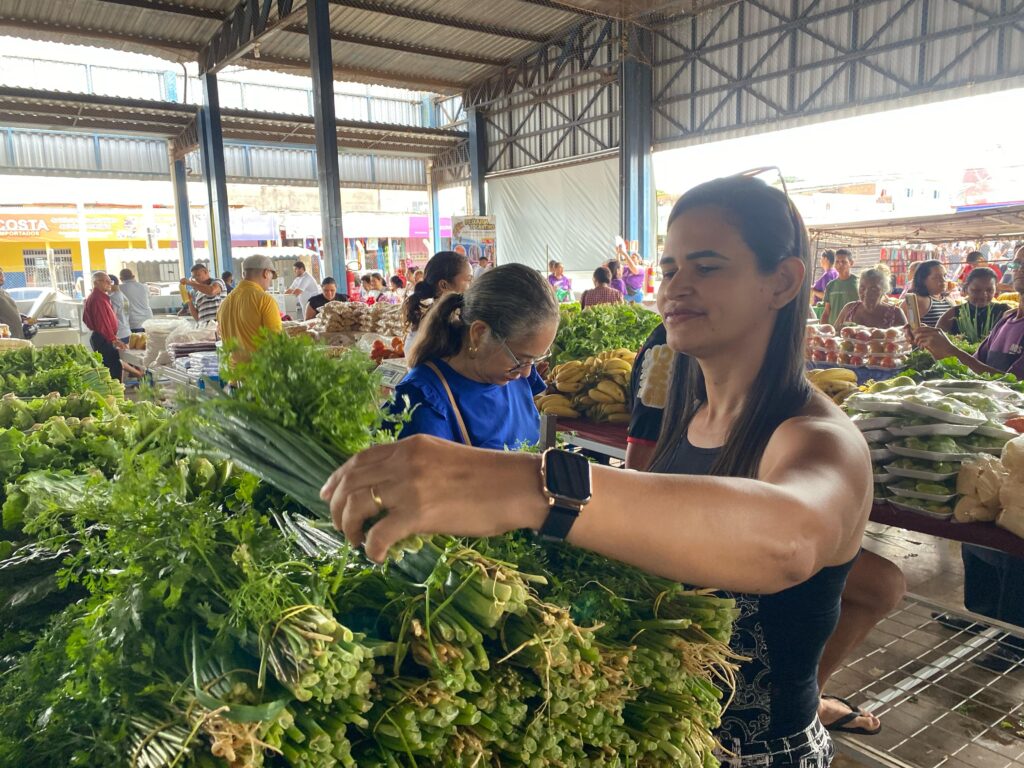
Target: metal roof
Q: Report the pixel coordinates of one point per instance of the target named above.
(1006, 222)
(438, 45)
(58, 110)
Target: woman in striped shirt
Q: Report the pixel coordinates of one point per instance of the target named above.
(929, 288)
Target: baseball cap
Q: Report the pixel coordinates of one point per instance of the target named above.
(258, 261)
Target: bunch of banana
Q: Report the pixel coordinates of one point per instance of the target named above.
(837, 383)
(597, 387)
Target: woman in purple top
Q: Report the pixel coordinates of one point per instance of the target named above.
(616, 271)
(633, 274)
(561, 283)
(828, 274)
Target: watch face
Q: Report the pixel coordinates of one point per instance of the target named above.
(567, 474)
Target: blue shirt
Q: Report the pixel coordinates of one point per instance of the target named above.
(496, 416)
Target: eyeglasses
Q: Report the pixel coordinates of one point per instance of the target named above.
(520, 364)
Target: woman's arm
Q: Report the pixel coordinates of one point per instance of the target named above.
(846, 316)
(807, 510)
(946, 321)
(310, 312)
(940, 347)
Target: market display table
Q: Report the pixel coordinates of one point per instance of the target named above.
(605, 439)
(983, 534)
(863, 374)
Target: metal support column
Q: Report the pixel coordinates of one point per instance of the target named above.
(636, 130)
(435, 210)
(179, 178)
(328, 174)
(477, 159)
(211, 146)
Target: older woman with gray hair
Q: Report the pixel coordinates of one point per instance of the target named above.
(871, 309)
(473, 374)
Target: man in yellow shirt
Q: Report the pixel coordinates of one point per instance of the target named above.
(249, 308)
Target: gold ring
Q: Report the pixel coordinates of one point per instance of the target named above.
(377, 499)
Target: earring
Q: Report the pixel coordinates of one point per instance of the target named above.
(472, 352)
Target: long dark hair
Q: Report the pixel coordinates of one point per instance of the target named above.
(443, 266)
(615, 269)
(773, 229)
(512, 299)
(925, 268)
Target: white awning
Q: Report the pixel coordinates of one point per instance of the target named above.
(1005, 223)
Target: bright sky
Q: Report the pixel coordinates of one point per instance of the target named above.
(938, 141)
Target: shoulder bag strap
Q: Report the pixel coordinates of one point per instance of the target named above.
(451, 399)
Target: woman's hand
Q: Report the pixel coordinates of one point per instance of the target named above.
(428, 485)
(934, 340)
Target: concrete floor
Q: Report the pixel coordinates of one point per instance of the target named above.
(937, 707)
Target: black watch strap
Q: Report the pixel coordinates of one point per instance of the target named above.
(558, 523)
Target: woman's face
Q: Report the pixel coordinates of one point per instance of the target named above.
(826, 265)
(935, 283)
(496, 361)
(330, 291)
(461, 283)
(980, 293)
(871, 292)
(376, 283)
(713, 297)
(559, 270)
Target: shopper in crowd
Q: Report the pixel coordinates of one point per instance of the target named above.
(377, 283)
(328, 292)
(482, 265)
(976, 260)
(828, 274)
(120, 306)
(10, 315)
(871, 308)
(843, 289)
(976, 317)
(229, 281)
(929, 291)
(366, 294)
(993, 581)
(759, 485)
(560, 284)
(615, 270)
(602, 292)
(447, 271)
(397, 285)
(207, 293)
(873, 589)
(417, 277)
(98, 316)
(303, 286)
(634, 274)
(139, 310)
(472, 375)
(250, 310)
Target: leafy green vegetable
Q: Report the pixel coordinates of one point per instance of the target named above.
(585, 333)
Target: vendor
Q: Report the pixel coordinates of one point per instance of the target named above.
(929, 288)
(249, 309)
(993, 581)
(446, 271)
(760, 486)
(208, 293)
(10, 315)
(472, 375)
(976, 317)
(328, 292)
(303, 286)
(842, 290)
(561, 284)
(871, 310)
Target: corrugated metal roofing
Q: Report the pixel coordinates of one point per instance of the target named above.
(442, 45)
(43, 109)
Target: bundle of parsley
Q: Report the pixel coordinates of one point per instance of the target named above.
(214, 618)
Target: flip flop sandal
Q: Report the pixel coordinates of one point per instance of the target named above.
(842, 724)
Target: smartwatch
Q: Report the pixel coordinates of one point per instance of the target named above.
(566, 480)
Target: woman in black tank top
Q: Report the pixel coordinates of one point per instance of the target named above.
(758, 486)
